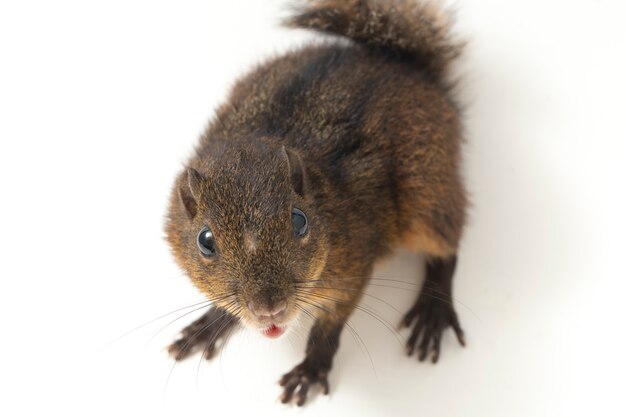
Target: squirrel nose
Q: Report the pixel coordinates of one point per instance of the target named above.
(264, 310)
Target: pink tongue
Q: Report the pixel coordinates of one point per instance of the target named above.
(273, 331)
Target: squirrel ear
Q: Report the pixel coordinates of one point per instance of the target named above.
(189, 191)
(296, 170)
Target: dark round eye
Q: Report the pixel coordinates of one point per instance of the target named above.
(299, 222)
(206, 242)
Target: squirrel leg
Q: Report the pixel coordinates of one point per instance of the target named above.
(321, 348)
(433, 311)
(334, 302)
(203, 334)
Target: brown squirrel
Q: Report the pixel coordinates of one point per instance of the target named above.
(321, 162)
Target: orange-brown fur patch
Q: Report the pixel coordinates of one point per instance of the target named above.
(420, 238)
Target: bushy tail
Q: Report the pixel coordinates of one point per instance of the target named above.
(414, 29)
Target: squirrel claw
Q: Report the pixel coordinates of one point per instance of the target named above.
(202, 334)
(303, 376)
(433, 317)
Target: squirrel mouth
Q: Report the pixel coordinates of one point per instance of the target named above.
(273, 331)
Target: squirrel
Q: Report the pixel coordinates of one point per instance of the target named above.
(321, 162)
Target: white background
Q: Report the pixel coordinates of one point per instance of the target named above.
(100, 104)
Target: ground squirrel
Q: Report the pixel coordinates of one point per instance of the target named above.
(319, 164)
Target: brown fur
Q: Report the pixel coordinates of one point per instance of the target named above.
(364, 138)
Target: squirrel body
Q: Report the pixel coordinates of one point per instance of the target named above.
(322, 162)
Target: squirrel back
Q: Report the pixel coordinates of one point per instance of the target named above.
(411, 29)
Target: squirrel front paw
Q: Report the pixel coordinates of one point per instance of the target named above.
(203, 333)
(303, 375)
(433, 316)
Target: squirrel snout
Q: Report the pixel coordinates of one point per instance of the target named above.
(263, 310)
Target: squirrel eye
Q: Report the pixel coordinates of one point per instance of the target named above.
(299, 222)
(206, 242)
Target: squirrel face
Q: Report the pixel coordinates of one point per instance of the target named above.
(243, 225)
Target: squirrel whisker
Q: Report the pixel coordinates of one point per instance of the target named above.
(196, 335)
(384, 322)
(355, 335)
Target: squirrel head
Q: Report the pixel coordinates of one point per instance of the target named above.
(247, 228)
